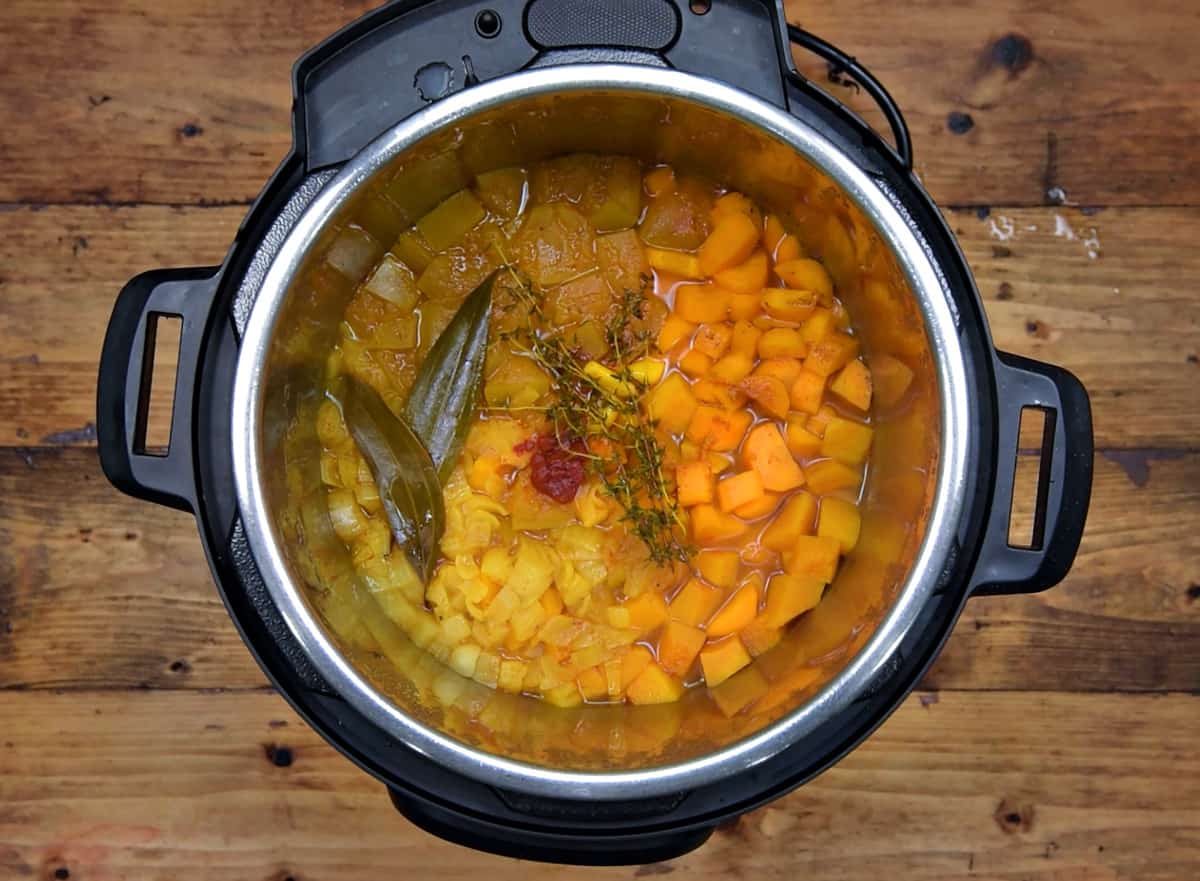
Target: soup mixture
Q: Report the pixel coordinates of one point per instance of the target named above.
(663, 469)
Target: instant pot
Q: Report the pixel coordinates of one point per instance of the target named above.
(402, 108)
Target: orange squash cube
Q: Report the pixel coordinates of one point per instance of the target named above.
(749, 277)
(739, 489)
(744, 307)
(712, 391)
(782, 342)
(713, 339)
(733, 239)
(891, 378)
(830, 475)
(773, 233)
(674, 262)
(806, 275)
(636, 660)
(732, 369)
(831, 354)
(695, 363)
(769, 393)
(818, 326)
(801, 442)
(738, 611)
(788, 304)
(787, 249)
(593, 684)
(696, 602)
(760, 636)
(839, 519)
(786, 370)
(766, 452)
(761, 507)
(819, 421)
(795, 518)
(674, 331)
(716, 429)
(789, 596)
(719, 568)
(720, 660)
(847, 441)
(745, 339)
(814, 557)
(654, 686)
(678, 646)
(646, 612)
(717, 462)
(671, 403)
(711, 525)
(694, 484)
(700, 303)
(740, 690)
(735, 203)
(807, 391)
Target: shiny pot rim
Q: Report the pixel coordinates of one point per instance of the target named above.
(914, 261)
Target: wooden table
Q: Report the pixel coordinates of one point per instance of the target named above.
(1056, 738)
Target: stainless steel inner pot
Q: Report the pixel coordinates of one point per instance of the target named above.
(912, 502)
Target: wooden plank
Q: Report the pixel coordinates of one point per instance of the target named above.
(1123, 320)
(999, 786)
(101, 591)
(188, 101)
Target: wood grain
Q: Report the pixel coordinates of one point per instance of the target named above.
(186, 102)
(101, 591)
(1125, 320)
(1000, 787)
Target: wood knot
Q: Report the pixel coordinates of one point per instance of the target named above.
(1013, 52)
(960, 123)
(279, 756)
(1013, 818)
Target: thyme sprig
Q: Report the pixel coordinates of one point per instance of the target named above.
(621, 447)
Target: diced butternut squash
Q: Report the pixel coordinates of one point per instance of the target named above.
(732, 240)
(720, 660)
(807, 391)
(593, 684)
(789, 596)
(743, 307)
(695, 363)
(696, 602)
(831, 354)
(719, 568)
(788, 304)
(795, 518)
(739, 489)
(659, 180)
(761, 507)
(718, 462)
(846, 441)
(766, 452)
(736, 203)
(551, 602)
(819, 421)
(732, 369)
(446, 224)
(710, 391)
(784, 369)
(745, 339)
(839, 519)
(743, 689)
(773, 233)
(678, 646)
(654, 686)
(647, 611)
(749, 277)
(738, 611)
(830, 475)
(637, 659)
(782, 342)
(818, 326)
(814, 557)
(674, 262)
(760, 636)
(801, 442)
(768, 393)
(701, 303)
(674, 331)
(563, 696)
(671, 403)
(891, 378)
(806, 275)
(695, 483)
(713, 339)
(710, 525)
(716, 429)
(787, 249)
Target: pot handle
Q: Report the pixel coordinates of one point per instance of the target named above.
(123, 389)
(567, 847)
(847, 64)
(1064, 485)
